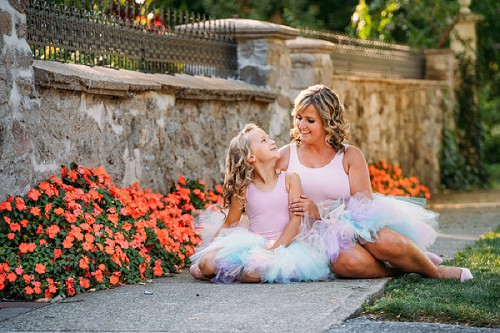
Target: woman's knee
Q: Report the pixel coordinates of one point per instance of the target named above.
(351, 264)
(389, 244)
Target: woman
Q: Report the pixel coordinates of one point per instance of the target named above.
(330, 169)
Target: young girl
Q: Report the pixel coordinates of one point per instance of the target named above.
(266, 250)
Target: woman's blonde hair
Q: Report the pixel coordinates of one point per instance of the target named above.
(239, 172)
(330, 110)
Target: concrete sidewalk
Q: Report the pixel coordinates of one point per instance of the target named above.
(181, 304)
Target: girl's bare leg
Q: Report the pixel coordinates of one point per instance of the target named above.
(359, 263)
(207, 264)
(250, 278)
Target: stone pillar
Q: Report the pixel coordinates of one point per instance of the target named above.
(264, 60)
(311, 63)
(16, 98)
(463, 37)
(440, 66)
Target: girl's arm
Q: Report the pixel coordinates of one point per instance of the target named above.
(233, 216)
(294, 189)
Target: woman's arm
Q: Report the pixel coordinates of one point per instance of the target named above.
(294, 189)
(282, 163)
(357, 170)
(233, 215)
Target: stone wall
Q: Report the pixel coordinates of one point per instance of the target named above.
(140, 127)
(17, 98)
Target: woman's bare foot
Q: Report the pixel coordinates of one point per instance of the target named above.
(462, 274)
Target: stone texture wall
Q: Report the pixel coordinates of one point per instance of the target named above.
(400, 121)
(17, 98)
(141, 128)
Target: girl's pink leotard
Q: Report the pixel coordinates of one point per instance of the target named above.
(328, 182)
(268, 211)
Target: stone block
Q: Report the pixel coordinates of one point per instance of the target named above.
(5, 23)
(19, 5)
(21, 29)
(23, 59)
(20, 136)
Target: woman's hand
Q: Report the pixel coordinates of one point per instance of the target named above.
(303, 206)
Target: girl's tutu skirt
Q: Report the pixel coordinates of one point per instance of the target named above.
(361, 218)
(237, 251)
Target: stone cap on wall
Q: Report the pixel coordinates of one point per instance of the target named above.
(113, 82)
(309, 45)
(253, 29)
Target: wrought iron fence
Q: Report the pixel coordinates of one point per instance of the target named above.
(353, 56)
(129, 34)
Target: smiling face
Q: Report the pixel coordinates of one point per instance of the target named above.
(262, 147)
(309, 125)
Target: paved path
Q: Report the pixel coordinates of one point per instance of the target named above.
(180, 304)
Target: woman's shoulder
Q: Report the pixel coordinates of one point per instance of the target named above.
(353, 154)
(282, 163)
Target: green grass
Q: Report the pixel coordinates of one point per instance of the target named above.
(474, 303)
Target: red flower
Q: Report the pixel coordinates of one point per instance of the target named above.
(19, 270)
(6, 206)
(11, 277)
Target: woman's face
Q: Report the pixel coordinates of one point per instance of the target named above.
(310, 125)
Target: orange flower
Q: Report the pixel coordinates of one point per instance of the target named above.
(84, 262)
(40, 268)
(42, 242)
(19, 270)
(59, 211)
(181, 180)
(15, 227)
(68, 242)
(84, 283)
(11, 277)
(35, 211)
(53, 230)
(114, 279)
(158, 271)
(57, 253)
(20, 204)
(27, 278)
(23, 247)
(34, 194)
(98, 276)
(24, 223)
(28, 290)
(6, 206)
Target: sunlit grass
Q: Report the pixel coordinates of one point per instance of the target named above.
(475, 303)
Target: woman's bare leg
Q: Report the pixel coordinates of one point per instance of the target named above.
(403, 254)
(359, 263)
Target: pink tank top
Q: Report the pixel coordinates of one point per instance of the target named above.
(268, 211)
(328, 182)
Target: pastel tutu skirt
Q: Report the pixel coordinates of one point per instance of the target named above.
(238, 251)
(360, 219)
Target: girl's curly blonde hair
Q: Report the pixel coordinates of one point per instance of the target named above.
(239, 172)
(330, 110)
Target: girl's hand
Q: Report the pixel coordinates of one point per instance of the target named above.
(303, 206)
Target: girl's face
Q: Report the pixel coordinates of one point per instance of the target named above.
(310, 125)
(262, 147)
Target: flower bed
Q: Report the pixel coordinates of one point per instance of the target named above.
(81, 232)
(388, 179)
